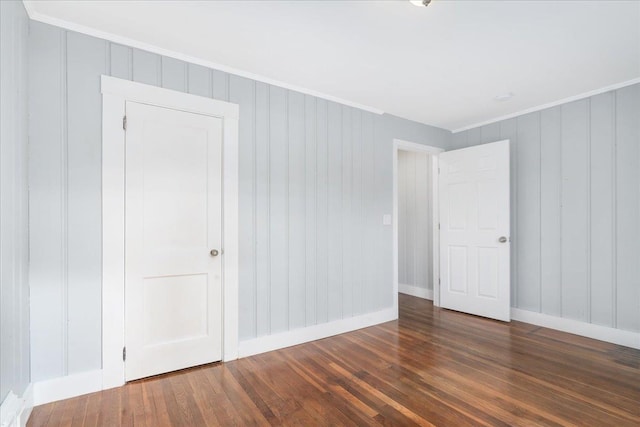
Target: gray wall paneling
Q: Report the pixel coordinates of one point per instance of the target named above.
(47, 202)
(315, 180)
(14, 256)
(550, 211)
(575, 210)
(575, 207)
(86, 61)
(627, 195)
(415, 240)
(528, 226)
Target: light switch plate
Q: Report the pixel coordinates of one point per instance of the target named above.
(386, 219)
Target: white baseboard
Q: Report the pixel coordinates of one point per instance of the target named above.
(312, 333)
(415, 291)
(15, 410)
(602, 333)
(66, 387)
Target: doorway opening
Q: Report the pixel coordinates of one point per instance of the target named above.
(416, 252)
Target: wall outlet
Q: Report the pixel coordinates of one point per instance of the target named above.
(386, 219)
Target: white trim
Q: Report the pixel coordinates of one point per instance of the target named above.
(116, 93)
(412, 146)
(415, 291)
(399, 144)
(126, 41)
(72, 26)
(602, 333)
(174, 99)
(551, 104)
(66, 387)
(14, 410)
(313, 333)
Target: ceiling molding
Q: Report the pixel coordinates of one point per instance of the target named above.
(551, 104)
(33, 12)
(126, 41)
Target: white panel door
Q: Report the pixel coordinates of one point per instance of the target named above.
(474, 230)
(173, 222)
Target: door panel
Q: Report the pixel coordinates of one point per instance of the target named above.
(173, 214)
(474, 213)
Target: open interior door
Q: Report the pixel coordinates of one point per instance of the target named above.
(474, 230)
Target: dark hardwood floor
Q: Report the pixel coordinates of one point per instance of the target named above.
(431, 367)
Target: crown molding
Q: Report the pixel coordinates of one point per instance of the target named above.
(551, 104)
(126, 41)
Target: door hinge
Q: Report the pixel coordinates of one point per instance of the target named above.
(438, 226)
(124, 123)
(124, 354)
(438, 280)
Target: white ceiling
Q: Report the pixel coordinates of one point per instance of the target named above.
(442, 65)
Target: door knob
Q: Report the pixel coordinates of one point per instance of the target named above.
(502, 239)
(214, 252)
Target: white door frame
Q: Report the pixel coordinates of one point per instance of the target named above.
(115, 94)
(399, 144)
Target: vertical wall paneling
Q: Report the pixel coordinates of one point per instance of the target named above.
(382, 185)
(220, 82)
(575, 204)
(22, 305)
(402, 223)
(263, 212)
(315, 179)
(370, 222)
(322, 217)
(459, 140)
(147, 67)
(200, 81)
(550, 215)
(423, 257)
(14, 282)
(311, 207)
(278, 208)
(528, 226)
(120, 61)
(601, 207)
(474, 137)
(347, 212)
(410, 215)
(334, 179)
(356, 211)
(86, 61)
(575, 208)
(242, 92)
(490, 133)
(414, 220)
(47, 151)
(628, 208)
(174, 74)
(296, 210)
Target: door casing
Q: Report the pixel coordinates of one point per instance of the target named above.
(116, 92)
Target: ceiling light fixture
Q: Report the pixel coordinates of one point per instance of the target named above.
(420, 3)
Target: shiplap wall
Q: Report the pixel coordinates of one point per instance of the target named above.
(14, 287)
(415, 241)
(315, 181)
(575, 207)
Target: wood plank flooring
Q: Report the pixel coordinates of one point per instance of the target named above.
(431, 367)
